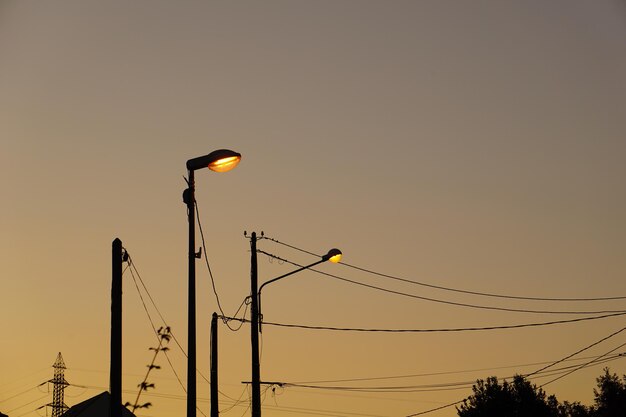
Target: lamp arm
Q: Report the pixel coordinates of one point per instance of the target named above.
(324, 259)
(290, 273)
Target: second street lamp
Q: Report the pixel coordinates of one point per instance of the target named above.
(221, 160)
(333, 255)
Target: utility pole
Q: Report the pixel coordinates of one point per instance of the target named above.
(254, 330)
(115, 382)
(189, 199)
(214, 391)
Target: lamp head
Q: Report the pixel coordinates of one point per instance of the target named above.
(333, 255)
(221, 160)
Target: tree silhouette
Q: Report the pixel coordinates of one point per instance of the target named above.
(574, 409)
(610, 397)
(518, 398)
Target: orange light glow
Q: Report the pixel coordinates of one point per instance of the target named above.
(224, 164)
(335, 259)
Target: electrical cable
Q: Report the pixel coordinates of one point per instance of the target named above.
(32, 411)
(206, 260)
(28, 403)
(578, 351)
(249, 400)
(431, 374)
(23, 392)
(514, 310)
(154, 329)
(436, 409)
(446, 386)
(439, 287)
(13, 381)
(147, 394)
(532, 373)
(134, 267)
(457, 329)
(585, 365)
(318, 412)
(237, 402)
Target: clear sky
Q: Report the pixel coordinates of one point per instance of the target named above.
(471, 145)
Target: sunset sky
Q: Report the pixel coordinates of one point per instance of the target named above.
(477, 146)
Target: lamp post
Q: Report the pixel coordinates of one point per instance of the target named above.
(221, 160)
(333, 255)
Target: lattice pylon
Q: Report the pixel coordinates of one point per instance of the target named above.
(58, 405)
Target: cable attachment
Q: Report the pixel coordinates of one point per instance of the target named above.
(125, 255)
(187, 196)
(199, 253)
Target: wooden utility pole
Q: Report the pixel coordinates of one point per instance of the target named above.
(254, 330)
(115, 385)
(214, 387)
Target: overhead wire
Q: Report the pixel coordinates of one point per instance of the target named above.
(154, 329)
(134, 267)
(236, 402)
(147, 394)
(23, 392)
(432, 374)
(584, 365)
(532, 373)
(577, 352)
(435, 300)
(447, 386)
(28, 403)
(13, 381)
(206, 260)
(457, 290)
(436, 330)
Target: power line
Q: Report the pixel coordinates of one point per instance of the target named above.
(431, 374)
(579, 351)
(206, 260)
(532, 373)
(594, 361)
(28, 403)
(276, 408)
(23, 392)
(419, 297)
(436, 409)
(440, 330)
(457, 290)
(447, 386)
(154, 329)
(134, 267)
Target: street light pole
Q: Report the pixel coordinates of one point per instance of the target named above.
(189, 198)
(221, 160)
(333, 255)
(254, 330)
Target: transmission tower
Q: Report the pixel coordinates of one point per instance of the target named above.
(57, 404)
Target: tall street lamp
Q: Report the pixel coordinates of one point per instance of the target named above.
(333, 255)
(221, 160)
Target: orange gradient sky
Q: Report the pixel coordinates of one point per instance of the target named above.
(472, 145)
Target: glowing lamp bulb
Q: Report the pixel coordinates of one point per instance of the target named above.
(335, 259)
(334, 255)
(224, 164)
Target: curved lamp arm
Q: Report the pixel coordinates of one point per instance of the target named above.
(333, 255)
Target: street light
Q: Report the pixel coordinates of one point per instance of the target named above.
(221, 160)
(333, 255)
